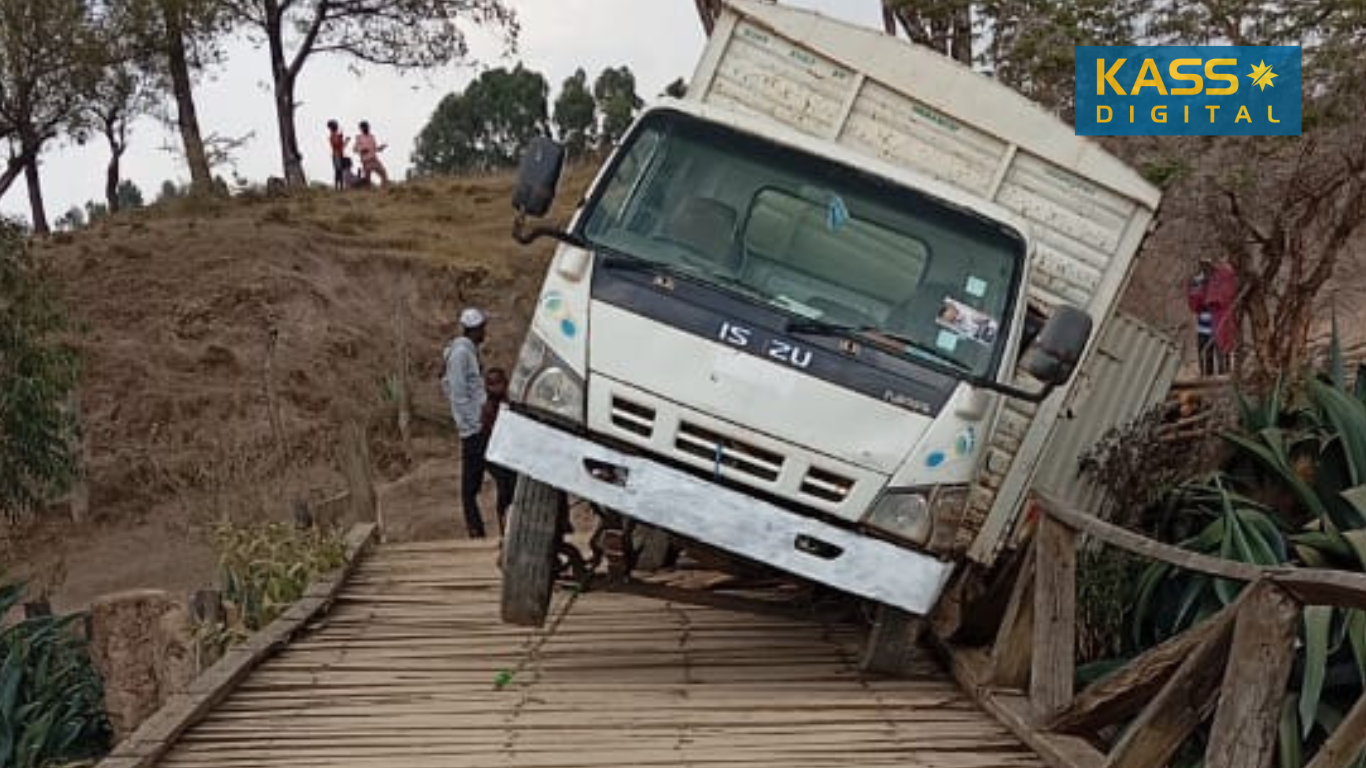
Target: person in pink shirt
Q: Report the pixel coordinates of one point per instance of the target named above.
(368, 149)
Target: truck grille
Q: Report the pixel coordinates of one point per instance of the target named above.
(633, 417)
(728, 452)
(738, 457)
(826, 485)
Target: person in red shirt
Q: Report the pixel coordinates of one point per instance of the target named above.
(1211, 296)
(337, 142)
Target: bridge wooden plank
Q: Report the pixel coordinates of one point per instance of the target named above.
(401, 672)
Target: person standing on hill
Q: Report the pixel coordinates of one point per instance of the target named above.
(337, 142)
(463, 385)
(1211, 295)
(368, 148)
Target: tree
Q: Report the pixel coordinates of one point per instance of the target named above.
(95, 210)
(1285, 227)
(486, 126)
(124, 92)
(48, 63)
(944, 25)
(37, 374)
(176, 39)
(575, 110)
(615, 90)
(411, 34)
(129, 196)
(169, 191)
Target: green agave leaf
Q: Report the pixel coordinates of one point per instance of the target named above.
(1310, 556)
(1337, 365)
(1288, 736)
(1271, 454)
(1148, 584)
(1356, 496)
(1268, 532)
(1348, 418)
(1356, 638)
(1317, 620)
(1330, 543)
(1188, 607)
(10, 595)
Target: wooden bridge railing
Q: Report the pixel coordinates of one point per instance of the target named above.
(1234, 666)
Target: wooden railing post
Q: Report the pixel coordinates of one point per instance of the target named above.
(1055, 619)
(1182, 704)
(1123, 694)
(1245, 725)
(1008, 666)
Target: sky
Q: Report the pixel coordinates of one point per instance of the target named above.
(659, 40)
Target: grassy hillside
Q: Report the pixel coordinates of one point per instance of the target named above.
(226, 344)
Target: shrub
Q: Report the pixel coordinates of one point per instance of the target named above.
(1294, 493)
(263, 568)
(37, 373)
(51, 697)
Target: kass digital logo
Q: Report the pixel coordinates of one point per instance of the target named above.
(1188, 90)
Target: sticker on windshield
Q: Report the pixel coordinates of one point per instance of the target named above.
(947, 341)
(976, 287)
(836, 214)
(966, 322)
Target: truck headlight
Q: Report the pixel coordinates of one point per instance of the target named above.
(904, 514)
(926, 516)
(541, 380)
(558, 391)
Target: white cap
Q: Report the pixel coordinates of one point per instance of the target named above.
(472, 318)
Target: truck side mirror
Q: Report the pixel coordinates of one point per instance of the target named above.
(1054, 354)
(538, 176)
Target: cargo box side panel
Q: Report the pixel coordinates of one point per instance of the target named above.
(1131, 372)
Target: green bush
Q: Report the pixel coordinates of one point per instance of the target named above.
(51, 697)
(264, 568)
(37, 372)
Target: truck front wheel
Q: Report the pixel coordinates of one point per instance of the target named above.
(892, 642)
(534, 526)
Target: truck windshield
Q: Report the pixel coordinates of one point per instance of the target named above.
(816, 239)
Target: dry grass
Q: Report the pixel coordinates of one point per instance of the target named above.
(225, 344)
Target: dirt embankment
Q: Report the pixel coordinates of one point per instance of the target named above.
(225, 345)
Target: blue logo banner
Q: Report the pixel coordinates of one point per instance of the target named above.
(1188, 90)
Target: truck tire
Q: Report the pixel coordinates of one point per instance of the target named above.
(655, 549)
(892, 643)
(529, 544)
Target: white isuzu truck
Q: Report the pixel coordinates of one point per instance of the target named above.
(821, 314)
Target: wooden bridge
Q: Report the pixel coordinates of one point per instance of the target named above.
(400, 660)
(400, 671)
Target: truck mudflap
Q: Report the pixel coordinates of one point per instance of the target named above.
(689, 506)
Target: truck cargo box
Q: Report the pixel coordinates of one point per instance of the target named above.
(898, 103)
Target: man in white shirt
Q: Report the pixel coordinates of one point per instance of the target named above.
(463, 384)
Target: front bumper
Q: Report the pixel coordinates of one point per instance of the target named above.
(684, 504)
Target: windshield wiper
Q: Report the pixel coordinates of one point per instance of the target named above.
(620, 261)
(871, 333)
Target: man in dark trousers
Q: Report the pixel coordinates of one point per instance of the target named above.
(463, 384)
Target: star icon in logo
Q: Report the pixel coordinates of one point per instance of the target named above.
(1261, 76)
